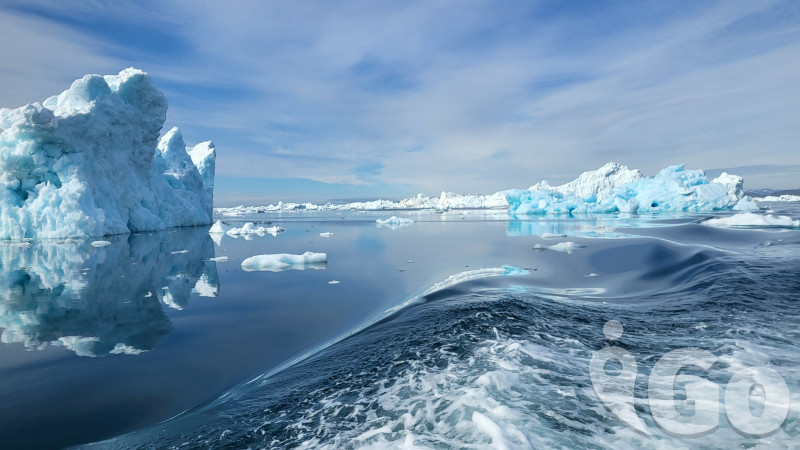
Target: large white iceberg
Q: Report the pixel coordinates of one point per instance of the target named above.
(614, 188)
(89, 162)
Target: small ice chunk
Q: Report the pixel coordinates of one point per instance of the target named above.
(751, 220)
(283, 261)
(333, 282)
(564, 247)
(592, 275)
(553, 235)
(327, 234)
(218, 228)
(394, 222)
(219, 259)
(100, 243)
(148, 295)
(249, 229)
(179, 252)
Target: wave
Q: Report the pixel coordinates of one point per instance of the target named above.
(476, 362)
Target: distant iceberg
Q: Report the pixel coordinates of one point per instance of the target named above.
(616, 189)
(612, 188)
(750, 220)
(89, 162)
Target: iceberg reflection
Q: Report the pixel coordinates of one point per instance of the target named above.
(106, 300)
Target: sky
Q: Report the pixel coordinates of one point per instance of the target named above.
(345, 100)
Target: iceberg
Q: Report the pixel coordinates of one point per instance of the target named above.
(616, 189)
(563, 247)
(218, 228)
(394, 222)
(750, 220)
(283, 261)
(250, 228)
(780, 198)
(446, 201)
(89, 162)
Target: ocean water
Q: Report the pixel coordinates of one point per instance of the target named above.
(466, 329)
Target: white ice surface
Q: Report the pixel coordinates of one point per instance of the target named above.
(283, 261)
(250, 228)
(751, 220)
(616, 189)
(564, 247)
(613, 188)
(89, 162)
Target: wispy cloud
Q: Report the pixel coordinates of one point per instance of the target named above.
(471, 97)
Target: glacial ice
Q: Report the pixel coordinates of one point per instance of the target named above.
(445, 201)
(218, 228)
(779, 198)
(615, 188)
(89, 162)
(610, 189)
(250, 229)
(563, 247)
(751, 220)
(283, 261)
(394, 222)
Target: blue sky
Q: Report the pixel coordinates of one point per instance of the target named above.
(351, 100)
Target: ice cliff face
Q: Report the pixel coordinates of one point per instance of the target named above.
(614, 188)
(89, 162)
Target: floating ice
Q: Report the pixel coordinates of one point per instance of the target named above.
(615, 188)
(394, 222)
(326, 234)
(564, 247)
(250, 228)
(219, 259)
(445, 201)
(218, 228)
(89, 162)
(333, 282)
(100, 243)
(553, 235)
(283, 261)
(751, 220)
(779, 198)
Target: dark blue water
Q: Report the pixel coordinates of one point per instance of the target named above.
(494, 356)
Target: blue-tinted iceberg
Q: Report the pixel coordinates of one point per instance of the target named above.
(616, 189)
(89, 162)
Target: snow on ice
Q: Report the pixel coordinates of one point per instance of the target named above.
(89, 162)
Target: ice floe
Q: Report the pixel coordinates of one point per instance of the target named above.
(564, 247)
(751, 220)
(283, 261)
(251, 228)
(394, 222)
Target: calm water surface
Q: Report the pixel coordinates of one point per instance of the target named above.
(103, 341)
